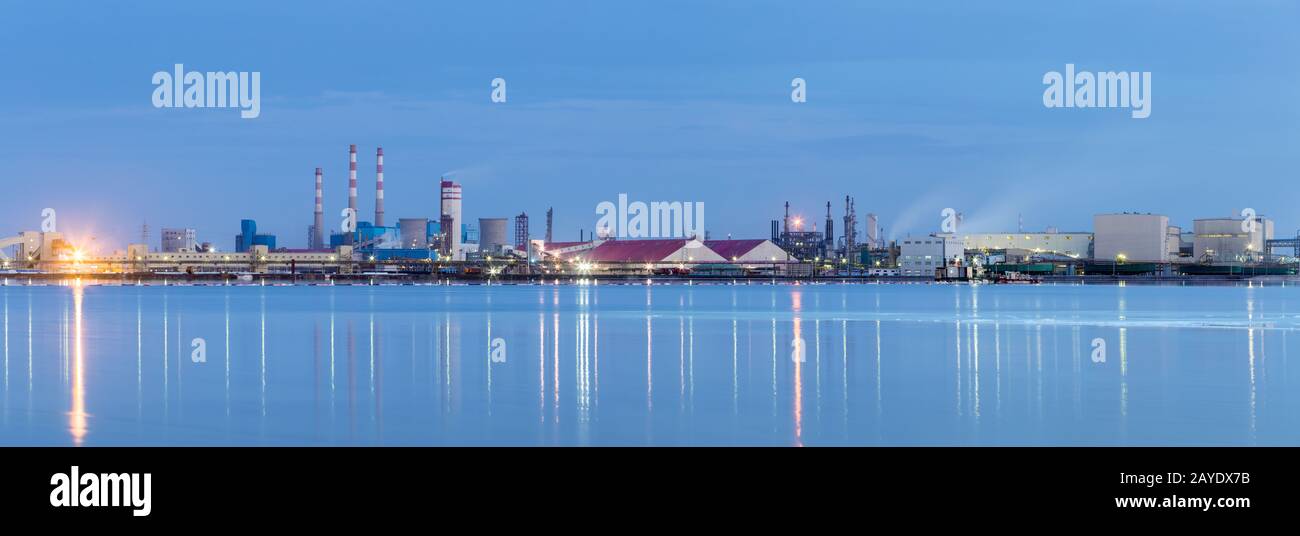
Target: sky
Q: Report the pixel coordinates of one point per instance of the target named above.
(912, 107)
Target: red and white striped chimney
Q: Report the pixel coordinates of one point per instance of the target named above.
(318, 232)
(352, 178)
(379, 187)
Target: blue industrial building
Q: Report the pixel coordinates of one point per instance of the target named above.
(433, 229)
(403, 254)
(248, 237)
(368, 236)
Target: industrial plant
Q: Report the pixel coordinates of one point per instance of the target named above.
(447, 246)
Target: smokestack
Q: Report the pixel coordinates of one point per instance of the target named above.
(352, 189)
(451, 218)
(829, 240)
(352, 177)
(785, 228)
(379, 187)
(318, 224)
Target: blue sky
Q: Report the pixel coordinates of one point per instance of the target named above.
(912, 107)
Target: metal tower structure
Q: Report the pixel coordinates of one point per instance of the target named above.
(549, 214)
(521, 232)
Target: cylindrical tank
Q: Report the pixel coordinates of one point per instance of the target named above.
(492, 235)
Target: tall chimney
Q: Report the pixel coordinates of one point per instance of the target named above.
(785, 227)
(352, 189)
(379, 187)
(352, 177)
(318, 227)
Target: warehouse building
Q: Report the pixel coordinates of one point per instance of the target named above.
(920, 256)
(756, 250)
(667, 251)
(1077, 245)
(176, 240)
(413, 232)
(1131, 237)
(1230, 239)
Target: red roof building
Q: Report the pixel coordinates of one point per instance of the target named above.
(748, 250)
(657, 251)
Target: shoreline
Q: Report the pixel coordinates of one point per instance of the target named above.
(397, 279)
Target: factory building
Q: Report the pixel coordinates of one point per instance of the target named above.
(920, 256)
(750, 250)
(175, 240)
(248, 237)
(653, 251)
(1230, 239)
(1077, 245)
(561, 250)
(1131, 237)
(801, 244)
(258, 259)
(368, 236)
(669, 252)
(1173, 242)
(432, 231)
(413, 232)
(34, 246)
(393, 254)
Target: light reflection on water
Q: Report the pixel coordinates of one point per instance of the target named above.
(630, 365)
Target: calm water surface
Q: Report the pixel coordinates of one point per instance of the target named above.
(649, 365)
